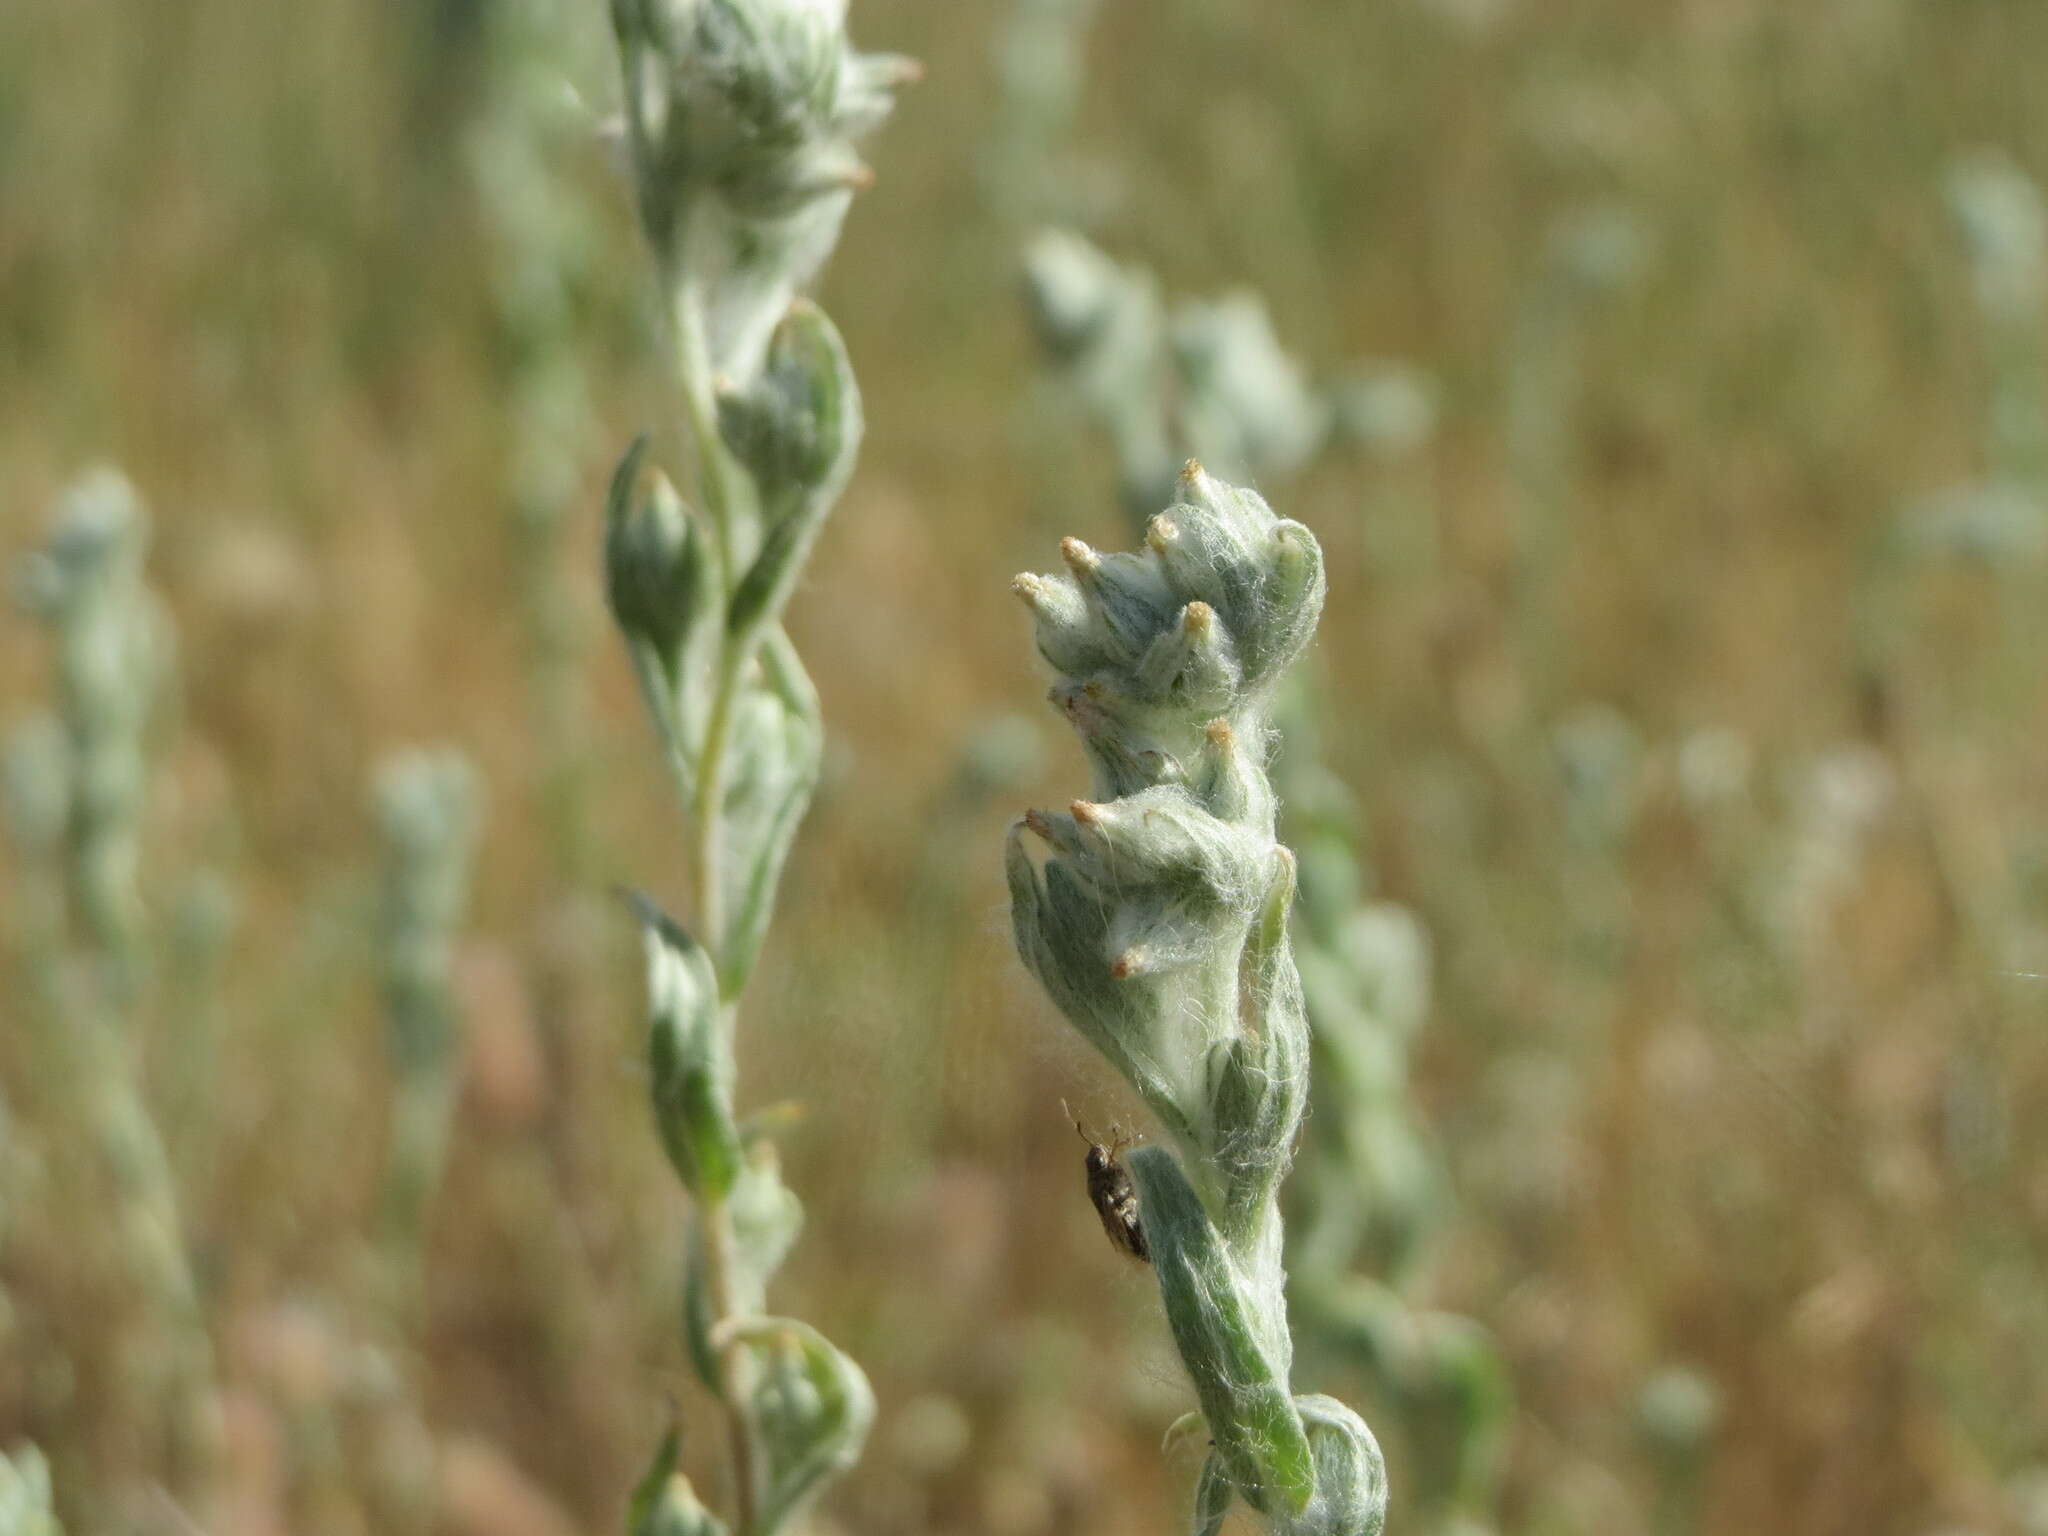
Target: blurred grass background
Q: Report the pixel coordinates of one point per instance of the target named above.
(1737, 882)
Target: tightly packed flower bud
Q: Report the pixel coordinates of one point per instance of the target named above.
(1156, 647)
(689, 1059)
(742, 116)
(1139, 921)
(658, 575)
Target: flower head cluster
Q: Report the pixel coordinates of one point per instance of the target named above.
(742, 116)
(1140, 920)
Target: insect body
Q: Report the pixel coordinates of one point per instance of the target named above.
(1113, 1195)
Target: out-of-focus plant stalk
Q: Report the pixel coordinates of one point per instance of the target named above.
(25, 1504)
(427, 813)
(740, 118)
(524, 137)
(113, 657)
(1031, 170)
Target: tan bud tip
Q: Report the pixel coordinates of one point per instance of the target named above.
(1197, 618)
(1220, 734)
(1086, 812)
(1127, 964)
(1079, 557)
(1191, 473)
(1160, 532)
(1035, 822)
(860, 176)
(1029, 587)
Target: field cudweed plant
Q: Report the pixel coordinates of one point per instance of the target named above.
(1158, 923)
(740, 120)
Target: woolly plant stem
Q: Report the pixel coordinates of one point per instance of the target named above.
(715, 479)
(714, 1216)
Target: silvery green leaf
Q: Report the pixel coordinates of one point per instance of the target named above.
(1350, 1474)
(1213, 1495)
(1258, 1078)
(766, 1219)
(1225, 1335)
(664, 1503)
(813, 1408)
(797, 431)
(1060, 934)
(777, 750)
(689, 1057)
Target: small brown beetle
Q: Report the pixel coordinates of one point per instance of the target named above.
(1111, 1192)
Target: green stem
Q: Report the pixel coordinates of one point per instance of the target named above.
(717, 488)
(716, 472)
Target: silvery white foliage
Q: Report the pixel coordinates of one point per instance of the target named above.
(1159, 925)
(1104, 324)
(1040, 53)
(112, 649)
(1209, 380)
(2000, 212)
(1245, 394)
(742, 116)
(2000, 516)
(1387, 408)
(113, 662)
(428, 805)
(35, 788)
(25, 1508)
(1998, 522)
